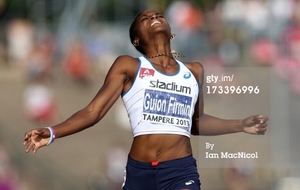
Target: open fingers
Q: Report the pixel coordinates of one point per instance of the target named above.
(34, 145)
(27, 138)
(32, 141)
(30, 146)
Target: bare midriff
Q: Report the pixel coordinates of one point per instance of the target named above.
(160, 147)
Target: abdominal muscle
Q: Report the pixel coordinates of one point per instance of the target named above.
(160, 147)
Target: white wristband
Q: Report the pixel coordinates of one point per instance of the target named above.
(52, 135)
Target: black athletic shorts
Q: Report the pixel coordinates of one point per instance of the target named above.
(175, 174)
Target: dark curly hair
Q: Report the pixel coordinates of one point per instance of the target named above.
(133, 32)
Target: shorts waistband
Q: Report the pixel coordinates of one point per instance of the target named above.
(165, 164)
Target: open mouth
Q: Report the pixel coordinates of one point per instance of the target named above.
(155, 22)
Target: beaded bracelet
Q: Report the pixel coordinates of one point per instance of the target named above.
(52, 135)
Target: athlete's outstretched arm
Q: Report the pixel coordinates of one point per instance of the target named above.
(204, 124)
(91, 114)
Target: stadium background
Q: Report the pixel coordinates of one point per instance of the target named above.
(53, 58)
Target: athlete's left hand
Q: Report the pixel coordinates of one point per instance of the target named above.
(256, 124)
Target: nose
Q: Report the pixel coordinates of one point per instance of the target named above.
(153, 17)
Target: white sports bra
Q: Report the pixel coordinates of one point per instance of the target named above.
(159, 103)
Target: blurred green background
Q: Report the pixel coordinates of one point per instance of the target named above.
(54, 55)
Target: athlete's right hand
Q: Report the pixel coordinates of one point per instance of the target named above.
(36, 139)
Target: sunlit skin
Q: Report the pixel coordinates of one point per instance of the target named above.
(153, 37)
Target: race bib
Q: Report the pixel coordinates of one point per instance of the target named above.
(167, 108)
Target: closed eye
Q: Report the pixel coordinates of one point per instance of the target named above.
(157, 15)
(144, 18)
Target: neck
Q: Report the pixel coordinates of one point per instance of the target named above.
(157, 44)
(172, 53)
(160, 54)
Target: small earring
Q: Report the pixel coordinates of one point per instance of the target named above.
(136, 43)
(172, 36)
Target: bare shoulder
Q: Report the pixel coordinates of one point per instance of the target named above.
(194, 65)
(124, 64)
(197, 69)
(125, 60)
